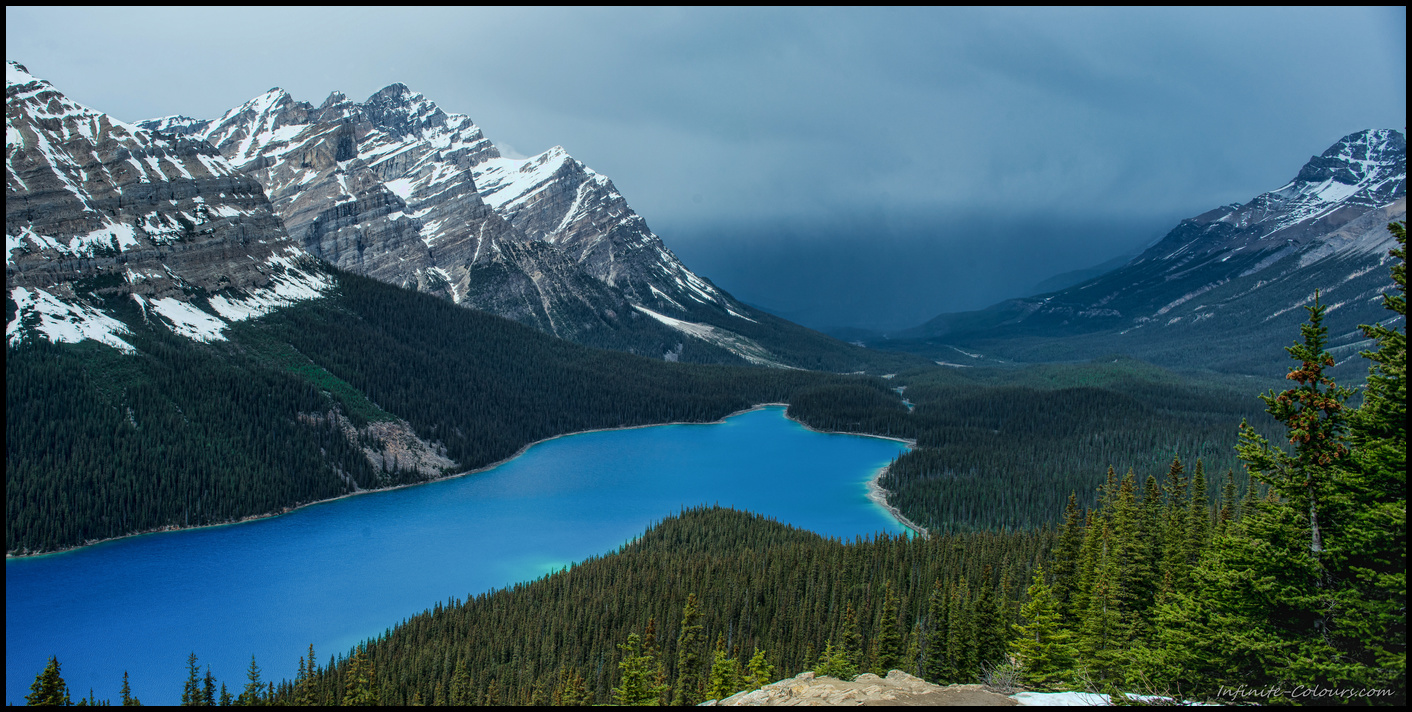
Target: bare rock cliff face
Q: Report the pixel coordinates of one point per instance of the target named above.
(97, 209)
(399, 190)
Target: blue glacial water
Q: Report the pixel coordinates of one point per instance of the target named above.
(337, 573)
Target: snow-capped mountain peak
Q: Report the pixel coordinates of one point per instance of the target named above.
(1363, 170)
(97, 208)
(399, 189)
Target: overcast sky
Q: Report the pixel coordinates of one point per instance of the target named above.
(843, 166)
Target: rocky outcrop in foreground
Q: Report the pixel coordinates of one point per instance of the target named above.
(898, 688)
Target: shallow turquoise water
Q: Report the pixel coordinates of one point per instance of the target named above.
(339, 572)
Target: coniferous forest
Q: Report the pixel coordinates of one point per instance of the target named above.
(1274, 576)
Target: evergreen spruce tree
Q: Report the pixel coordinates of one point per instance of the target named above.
(1103, 630)
(226, 699)
(1066, 554)
(1314, 414)
(835, 663)
(912, 659)
(1043, 647)
(305, 690)
(191, 693)
(254, 688)
(572, 690)
(1228, 504)
(126, 694)
(1174, 526)
(725, 673)
(638, 674)
(689, 643)
(761, 671)
(1129, 569)
(49, 688)
(1368, 552)
(937, 666)
(208, 689)
(990, 624)
(462, 692)
(1198, 520)
(960, 635)
(888, 639)
(360, 681)
(659, 675)
(1090, 556)
(851, 641)
(1152, 532)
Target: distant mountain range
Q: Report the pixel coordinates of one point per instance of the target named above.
(1222, 290)
(214, 220)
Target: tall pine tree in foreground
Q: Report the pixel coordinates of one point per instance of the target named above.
(1044, 649)
(689, 643)
(1369, 552)
(638, 675)
(49, 688)
(888, 639)
(191, 693)
(1308, 587)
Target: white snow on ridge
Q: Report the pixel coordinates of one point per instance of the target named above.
(61, 322)
(292, 286)
(505, 182)
(186, 319)
(739, 345)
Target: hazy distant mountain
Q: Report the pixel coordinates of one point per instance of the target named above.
(101, 214)
(1068, 279)
(402, 191)
(1222, 289)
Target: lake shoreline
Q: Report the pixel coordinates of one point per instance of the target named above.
(875, 490)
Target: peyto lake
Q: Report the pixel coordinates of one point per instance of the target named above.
(339, 572)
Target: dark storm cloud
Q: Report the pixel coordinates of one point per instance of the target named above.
(798, 155)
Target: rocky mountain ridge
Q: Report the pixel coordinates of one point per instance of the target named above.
(398, 189)
(98, 211)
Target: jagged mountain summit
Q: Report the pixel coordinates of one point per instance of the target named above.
(396, 188)
(1223, 286)
(98, 212)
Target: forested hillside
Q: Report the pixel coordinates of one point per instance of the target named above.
(1006, 447)
(262, 421)
(181, 433)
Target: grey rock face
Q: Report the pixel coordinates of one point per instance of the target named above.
(898, 688)
(125, 212)
(399, 190)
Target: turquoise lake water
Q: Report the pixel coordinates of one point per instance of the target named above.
(339, 572)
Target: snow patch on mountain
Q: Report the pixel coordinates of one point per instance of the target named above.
(741, 346)
(185, 318)
(61, 322)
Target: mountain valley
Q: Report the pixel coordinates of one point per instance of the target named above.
(217, 320)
